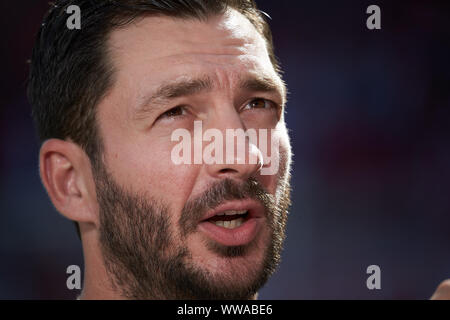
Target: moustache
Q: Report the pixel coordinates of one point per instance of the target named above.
(220, 192)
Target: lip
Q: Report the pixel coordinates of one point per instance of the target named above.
(241, 235)
(254, 208)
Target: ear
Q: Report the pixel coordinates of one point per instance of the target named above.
(66, 173)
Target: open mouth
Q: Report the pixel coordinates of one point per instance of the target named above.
(229, 219)
(234, 223)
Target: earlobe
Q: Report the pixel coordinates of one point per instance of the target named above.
(63, 171)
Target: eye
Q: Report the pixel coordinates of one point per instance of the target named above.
(259, 103)
(173, 113)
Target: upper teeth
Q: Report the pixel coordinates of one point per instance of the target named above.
(232, 212)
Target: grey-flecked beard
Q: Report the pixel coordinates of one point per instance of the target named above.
(144, 261)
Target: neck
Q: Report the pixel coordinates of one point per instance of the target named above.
(97, 284)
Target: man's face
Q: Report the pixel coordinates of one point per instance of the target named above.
(156, 231)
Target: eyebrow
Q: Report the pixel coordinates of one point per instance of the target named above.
(265, 84)
(171, 90)
(181, 88)
(190, 86)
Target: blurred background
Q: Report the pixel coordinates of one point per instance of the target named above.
(369, 118)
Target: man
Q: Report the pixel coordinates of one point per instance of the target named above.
(107, 99)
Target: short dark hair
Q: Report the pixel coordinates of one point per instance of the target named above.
(71, 72)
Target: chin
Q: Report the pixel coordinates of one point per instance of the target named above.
(231, 262)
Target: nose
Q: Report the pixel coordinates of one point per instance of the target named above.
(240, 157)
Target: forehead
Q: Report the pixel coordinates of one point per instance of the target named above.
(158, 49)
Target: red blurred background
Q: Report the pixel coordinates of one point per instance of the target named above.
(369, 118)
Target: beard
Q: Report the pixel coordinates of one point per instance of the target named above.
(146, 260)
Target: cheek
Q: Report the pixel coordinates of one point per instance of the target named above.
(147, 168)
(285, 160)
(285, 154)
(279, 153)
